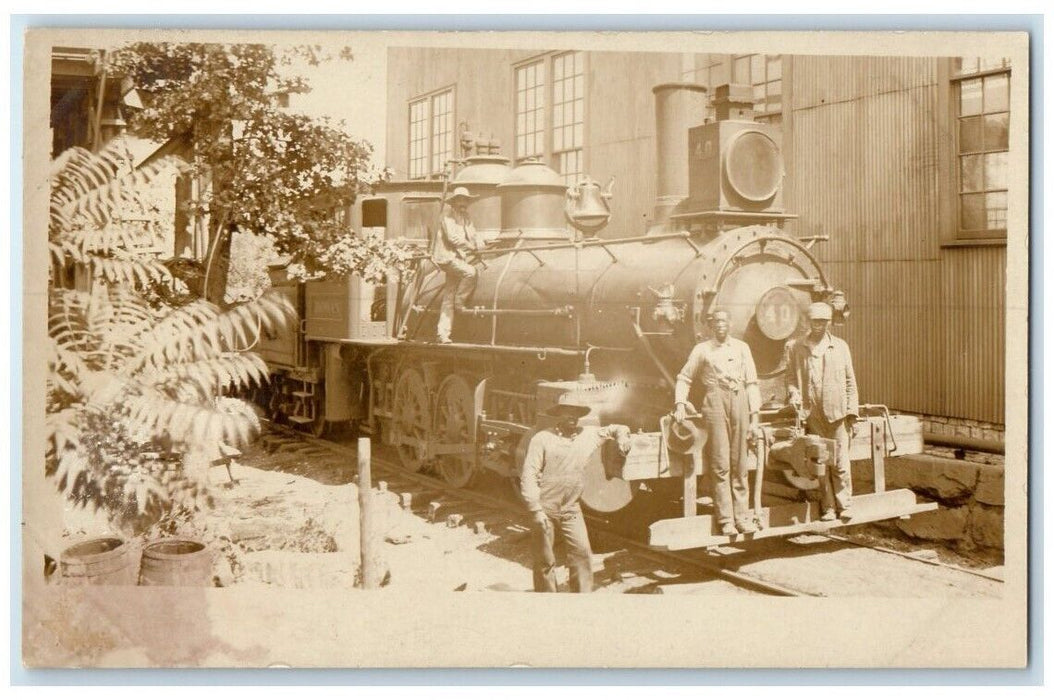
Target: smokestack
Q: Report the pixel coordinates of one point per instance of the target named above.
(678, 106)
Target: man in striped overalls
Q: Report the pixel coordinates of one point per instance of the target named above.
(725, 368)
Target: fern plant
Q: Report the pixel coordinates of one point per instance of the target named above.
(135, 386)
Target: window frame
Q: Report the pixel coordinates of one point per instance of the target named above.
(549, 153)
(428, 99)
(956, 79)
(954, 236)
(726, 62)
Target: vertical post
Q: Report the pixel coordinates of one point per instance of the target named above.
(367, 555)
(878, 454)
(690, 482)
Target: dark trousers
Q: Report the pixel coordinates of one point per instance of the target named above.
(836, 487)
(571, 527)
(727, 416)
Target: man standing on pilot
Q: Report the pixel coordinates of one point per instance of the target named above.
(821, 385)
(455, 241)
(725, 367)
(551, 483)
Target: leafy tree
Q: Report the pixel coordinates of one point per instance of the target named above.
(269, 168)
(131, 379)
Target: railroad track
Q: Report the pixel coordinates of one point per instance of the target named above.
(433, 499)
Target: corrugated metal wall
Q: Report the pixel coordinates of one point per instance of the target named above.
(927, 328)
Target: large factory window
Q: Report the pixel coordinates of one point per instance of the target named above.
(530, 110)
(431, 133)
(764, 73)
(568, 115)
(553, 128)
(982, 96)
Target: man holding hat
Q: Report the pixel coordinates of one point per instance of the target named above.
(725, 367)
(821, 384)
(551, 484)
(456, 239)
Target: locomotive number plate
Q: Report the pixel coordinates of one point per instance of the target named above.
(778, 313)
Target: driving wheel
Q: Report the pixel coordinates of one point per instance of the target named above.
(455, 423)
(412, 419)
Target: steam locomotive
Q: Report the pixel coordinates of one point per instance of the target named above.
(559, 314)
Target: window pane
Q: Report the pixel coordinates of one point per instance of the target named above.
(970, 138)
(741, 70)
(996, 210)
(997, 131)
(759, 93)
(995, 171)
(969, 97)
(775, 68)
(719, 75)
(973, 212)
(997, 93)
(442, 130)
(972, 176)
(757, 67)
(558, 139)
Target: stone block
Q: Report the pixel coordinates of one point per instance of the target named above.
(942, 479)
(940, 524)
(985, 527)
(990, 485)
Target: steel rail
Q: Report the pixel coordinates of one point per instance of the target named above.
(911, 556)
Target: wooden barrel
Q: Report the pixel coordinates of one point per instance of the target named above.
(176, 562)
(99, 562)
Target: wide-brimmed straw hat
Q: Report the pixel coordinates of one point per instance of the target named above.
(567, 410)
(460, 193)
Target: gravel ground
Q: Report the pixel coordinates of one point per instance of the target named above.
(294, 522)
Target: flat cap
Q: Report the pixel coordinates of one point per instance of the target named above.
(820, 311)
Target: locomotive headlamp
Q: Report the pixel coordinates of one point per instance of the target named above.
(753, 166)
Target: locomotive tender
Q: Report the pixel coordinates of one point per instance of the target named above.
(558, 314)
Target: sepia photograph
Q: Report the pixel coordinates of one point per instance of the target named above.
(356, 349)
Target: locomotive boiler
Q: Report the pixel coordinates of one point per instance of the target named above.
(557, 313)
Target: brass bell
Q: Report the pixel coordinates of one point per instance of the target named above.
(586, 208)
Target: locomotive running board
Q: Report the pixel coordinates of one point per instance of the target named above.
(784, 520)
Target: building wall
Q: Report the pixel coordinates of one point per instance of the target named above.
(865, 141)
(619, 142)
(927, 329)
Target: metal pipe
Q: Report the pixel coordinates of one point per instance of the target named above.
(478, 311)
(497, 292)
(591, 243)
(563, 352)
(966, 443)
(646, 344)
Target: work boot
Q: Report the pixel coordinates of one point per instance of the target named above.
(828, 515)
(729, 529)
(746, 526)
(846, 514)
